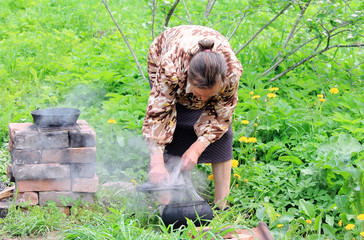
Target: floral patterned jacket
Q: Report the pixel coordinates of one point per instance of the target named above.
(168, 60)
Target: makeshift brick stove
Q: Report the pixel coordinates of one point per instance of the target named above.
(53, 163)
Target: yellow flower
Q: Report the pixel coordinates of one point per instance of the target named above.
(111, 121)
(350, 226)
(334, 90)
(253, 159)
(308, 221)
(236, 185)
(234, 163)
(135, 183)
(207, 164)
(278, 215)
(243, 139)
(252, 140)
(271, 95)
(246, 122)
(210, 177)
(251, 93)
(273, 89)
(322, 99)
(320, 95)
(245, 180)
(362, 234)
(361, 217)
(237, 176)
(280, 225)
(255, 124)
(340, 223)
(256, 97)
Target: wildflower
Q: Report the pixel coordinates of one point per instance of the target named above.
(308, 221)
(234, 163)
(246, 122)
(111, 121)
(252, 140)
(309, 20)
(236, 185)
(320, 95)
(210, 177)
(135, 183)
(362, 234)
(350, 36)
(207, 164)
(340, 223)
(278, 215)
(245, 180)
(322, 99)
(273, 89)
(334, 90)
(361, 217)
(350, 226)
(280, 225)
(271, 95)
(243, 139)
(251, 93)
(354, 15)
(237, 176)
(253, 160)
(255, 124)
(256, 97)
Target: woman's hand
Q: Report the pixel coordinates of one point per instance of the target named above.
(190, 157)
(158, 172)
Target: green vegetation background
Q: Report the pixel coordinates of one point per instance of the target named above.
(304, 173)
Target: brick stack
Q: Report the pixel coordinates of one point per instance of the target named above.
(53, 164)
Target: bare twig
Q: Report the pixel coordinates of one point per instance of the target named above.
(126, 41)
(169, 15)
(312, 56)
(153, 17)
(188, 15)
(210, 5)
(262, 28)
(237, 26)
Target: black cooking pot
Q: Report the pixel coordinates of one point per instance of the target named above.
(55, 117)
(199, 212)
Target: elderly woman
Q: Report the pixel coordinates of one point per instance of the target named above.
(194, 77)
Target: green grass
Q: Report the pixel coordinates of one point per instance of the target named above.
(307, 163)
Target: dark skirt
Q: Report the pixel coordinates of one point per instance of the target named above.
(184, 136)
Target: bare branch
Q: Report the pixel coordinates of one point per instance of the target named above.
(169, 15)
(262, 28)
(188, 15)
(153, 17)
(126, 41)
(312, 56)
(210, 5)
(237, 26)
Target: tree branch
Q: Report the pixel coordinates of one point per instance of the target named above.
(153, 17)
(262, 28)
(237, 26)
(188, 15)
(169, 15)
(312, 56)
(126, 41)
(210, 5)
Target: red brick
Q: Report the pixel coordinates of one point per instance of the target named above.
(54, 156)
(53, 139)
(25, 156)
(43, 185)
(82, 155)
(83, 137)
(19, 127)
(85, 184)
(65, 210)
(83, 170)
(27, 197)
(41, 171)
(65, 198)
(10, 146)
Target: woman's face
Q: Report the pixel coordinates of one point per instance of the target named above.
(206, 93)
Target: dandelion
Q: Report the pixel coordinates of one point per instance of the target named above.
(255, 124)
(251, 93)
(361, 217)
(135, 183)
(278, 215)
(111, 121)
(256, 97)
(350, 226)
(252, 140)
(334, 90)
(246, 122)
(362, 234)
(322, 100)
(210, 177)
(234, 163)
(237, 176)
(340, 223)
(271, 95)
(280, 225)
(245, 180)
(243, 139)
(320, 95)
(273, 89)
(308, 221)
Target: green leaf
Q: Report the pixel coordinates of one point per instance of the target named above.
(292, 159)
(308, 208)
(271, 151)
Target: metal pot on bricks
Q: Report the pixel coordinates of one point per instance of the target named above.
(55, 117)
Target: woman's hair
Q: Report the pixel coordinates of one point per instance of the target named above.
(206, 67)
